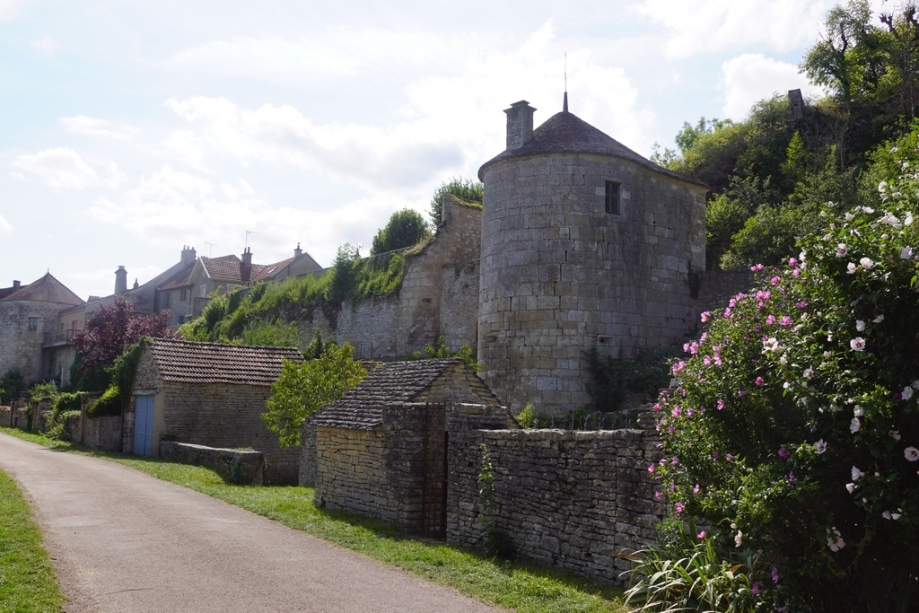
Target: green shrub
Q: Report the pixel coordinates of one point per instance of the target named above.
(109, 403)
(43, 391)
(67, 401)
(795, 429)
(12, 385)
(441, 350)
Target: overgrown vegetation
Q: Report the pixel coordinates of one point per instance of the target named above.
(516, 587)
(497, 542)
(441, 350)
(12, 385)
(771, 173)
(795, 429)
(406, 228)
(121, 374)
(464, 189)
(266, 313)
(611, 378)
(27, 580)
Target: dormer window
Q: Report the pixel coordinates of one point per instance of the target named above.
(612, 197)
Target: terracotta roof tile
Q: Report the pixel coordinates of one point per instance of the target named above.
(228, 268)
(394, 383)
(187, 362)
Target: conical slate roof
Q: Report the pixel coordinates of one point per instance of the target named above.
(567, 133)
(46, 289)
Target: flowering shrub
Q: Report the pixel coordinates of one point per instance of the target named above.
(795, 428)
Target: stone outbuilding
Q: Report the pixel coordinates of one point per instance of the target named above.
(381, 449)
(207, 394)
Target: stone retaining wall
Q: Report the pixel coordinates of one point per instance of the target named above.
(566, 499)
(239, 466)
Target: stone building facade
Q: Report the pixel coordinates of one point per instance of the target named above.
(583, 241)
(207, 394)
(28, 315)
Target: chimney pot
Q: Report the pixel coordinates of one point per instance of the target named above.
(298, 252)
(245, 268)
(519, 124)
(16, 284)
(121, 281)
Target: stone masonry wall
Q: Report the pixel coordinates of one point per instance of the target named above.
(438, 297)
(21, 348)
(225, 415)
(352, 473)
(307, 468)
(716, 287)
(558, 272)
(240, 466)
(567, 499)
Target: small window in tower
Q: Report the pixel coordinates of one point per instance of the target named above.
(612, 198)
(33, 323)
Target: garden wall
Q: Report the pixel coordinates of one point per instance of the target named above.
(240, 466)
(567, 499)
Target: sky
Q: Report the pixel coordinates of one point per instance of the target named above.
(131, 129)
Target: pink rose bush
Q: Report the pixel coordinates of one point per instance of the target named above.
(814, 402)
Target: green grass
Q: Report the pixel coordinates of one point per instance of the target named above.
(518, 587)
(27, 580)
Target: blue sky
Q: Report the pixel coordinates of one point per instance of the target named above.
(130, 129)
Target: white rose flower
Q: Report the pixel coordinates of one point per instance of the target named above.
(907, 393)
(851, 268)
(820, 447)
(738, 539)
(855, 425)
(866, 262)
(911, 454)
(895, 435)
(856, 473)
(859, 325)
(906, 253)
(850, 487)
(858, 411)
(857, 344)
(841, 250)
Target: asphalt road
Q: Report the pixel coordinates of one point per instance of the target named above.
(126, 542)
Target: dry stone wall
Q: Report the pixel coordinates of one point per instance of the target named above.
(352, 475)
(226, 415)
(240, 466)
(567, 499)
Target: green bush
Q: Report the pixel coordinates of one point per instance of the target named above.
(109, 403)
(11, 385)
(406, 228)
(795, 429)
(43, 391)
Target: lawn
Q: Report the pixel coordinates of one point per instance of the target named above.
(517, 587)
(27, 580)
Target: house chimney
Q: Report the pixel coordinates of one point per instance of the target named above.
(298, 252)
(136, 284)
(188, 255)
(16, 285)
(519, 124)
(245, 268)
(121, 281)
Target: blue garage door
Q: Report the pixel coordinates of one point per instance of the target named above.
(143, 425)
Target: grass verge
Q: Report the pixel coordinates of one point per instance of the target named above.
(522, 588)
(27, 580)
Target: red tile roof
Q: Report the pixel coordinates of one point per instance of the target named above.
(228, 268)
(187, 362)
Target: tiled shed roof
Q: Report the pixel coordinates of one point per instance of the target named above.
(187, 362)
(567, 133)
(399, 382)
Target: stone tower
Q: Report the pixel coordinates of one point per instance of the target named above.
(583, 241)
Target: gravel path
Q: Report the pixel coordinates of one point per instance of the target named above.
(126, 542)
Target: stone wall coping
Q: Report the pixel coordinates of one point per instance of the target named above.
(556, 434)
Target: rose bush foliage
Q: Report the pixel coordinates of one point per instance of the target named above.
(794, 431)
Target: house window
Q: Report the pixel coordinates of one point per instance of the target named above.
(203, 291)
(612, 197)
(183, 295)
(33, 323)
(168, 299)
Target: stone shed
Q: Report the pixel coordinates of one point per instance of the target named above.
(207, 394)
(381, 450)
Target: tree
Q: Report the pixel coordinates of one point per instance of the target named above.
(406, 228)
(465, 189)
(113, 327)
(304, 387)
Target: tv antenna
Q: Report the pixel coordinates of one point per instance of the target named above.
(248, 232)
(210, 252)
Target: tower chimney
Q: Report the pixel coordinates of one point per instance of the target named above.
(16, 285)
(121, 281)
(245, 268)
(519, 124)
(188, 255)
(298, 252)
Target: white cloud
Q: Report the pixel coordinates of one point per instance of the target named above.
(63, 168)
(706, 26)
(81, 124)
(336, 52)
(5, 226)
(46, 44)
(751, 77)
(450, 123)
(173, 207)
(9, 9)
